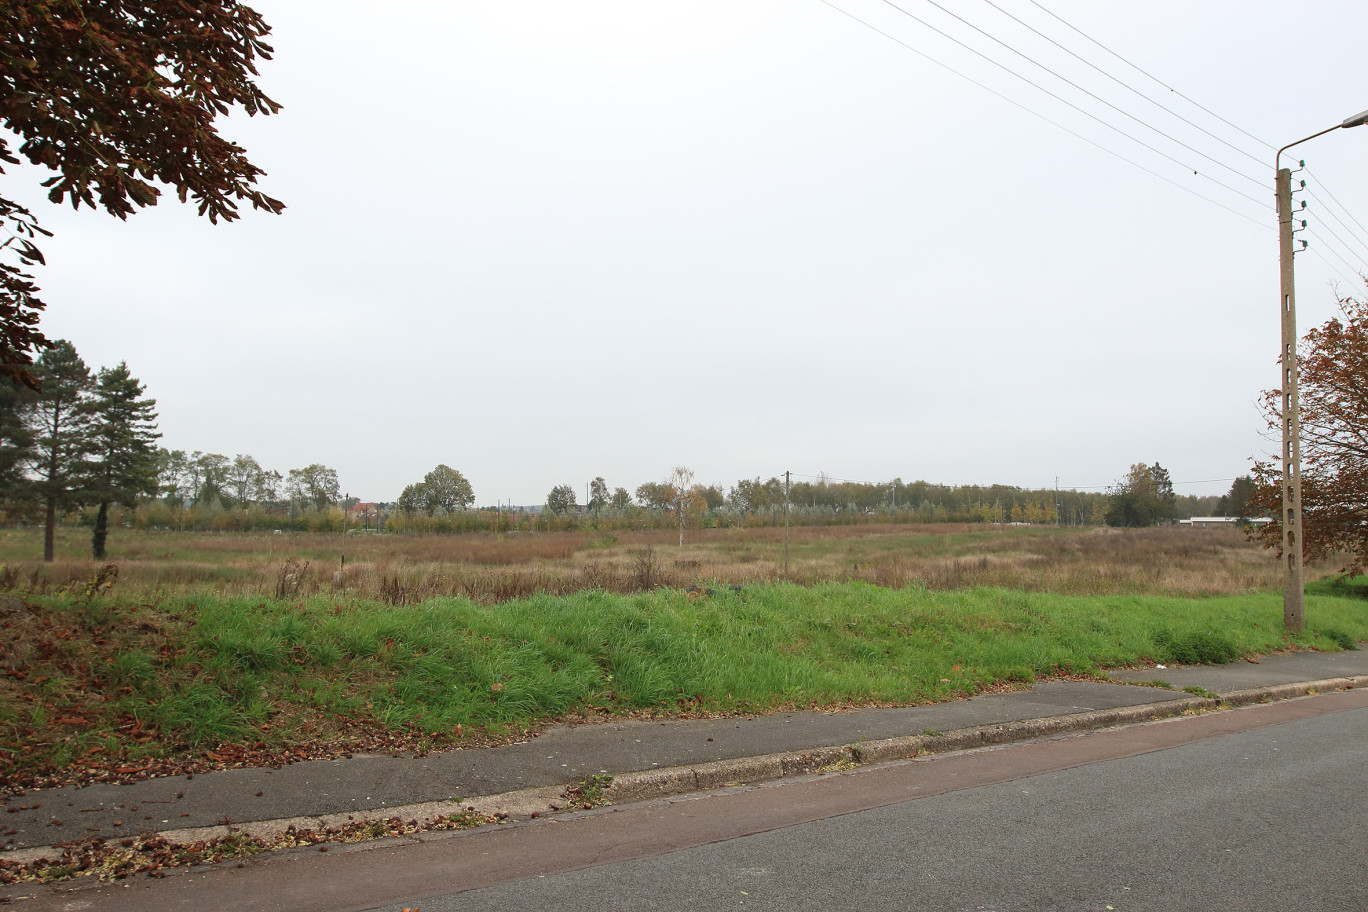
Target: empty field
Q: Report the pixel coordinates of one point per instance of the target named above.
(400, 569)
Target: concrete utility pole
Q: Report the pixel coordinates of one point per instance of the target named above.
(345, 498)
(1294, 576)
(786, 531)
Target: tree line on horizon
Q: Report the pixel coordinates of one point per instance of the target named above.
(85, 445)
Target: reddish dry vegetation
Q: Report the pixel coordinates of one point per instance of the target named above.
(400, 569)
(1172, 561)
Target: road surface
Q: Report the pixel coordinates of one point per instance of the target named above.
(1261, 808)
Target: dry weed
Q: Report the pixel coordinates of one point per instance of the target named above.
(402, 570)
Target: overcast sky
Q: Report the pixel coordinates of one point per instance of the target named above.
(544, 241)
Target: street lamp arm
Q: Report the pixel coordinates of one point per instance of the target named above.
(1276, 159)
(1357, 120)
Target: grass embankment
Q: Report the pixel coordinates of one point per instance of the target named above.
(93, 686)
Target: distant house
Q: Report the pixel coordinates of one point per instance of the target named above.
(1210, 522)
(365, 511)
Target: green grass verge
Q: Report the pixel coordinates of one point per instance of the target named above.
(192, 673)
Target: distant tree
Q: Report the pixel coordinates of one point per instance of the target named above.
(742, 495)
(680, 484)
(244, 479)
(114, 97)
(123, 462)
(267, 486)
(1333, 364)
(753, 495)
(598, 494)
(561, 499)
(315, 484)
(173, 475)
(1143, 498)
(193, 476)
(414, 499)
(621, 499)
(447, 490)
(712, 496)
(655, 495)
(1236, 500)
(210, 473)
(60, 420)
(1163, 484)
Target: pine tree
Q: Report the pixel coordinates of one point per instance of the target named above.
(59, 420)
(123, 464)
(16, 443)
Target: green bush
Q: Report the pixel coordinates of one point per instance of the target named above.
(1339, 637)
(1198, 647)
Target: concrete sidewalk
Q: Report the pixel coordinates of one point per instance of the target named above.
(644, 759)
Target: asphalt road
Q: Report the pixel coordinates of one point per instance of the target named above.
(1254, 809)
(1266, 819)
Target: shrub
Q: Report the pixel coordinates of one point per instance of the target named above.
(1198, 647)
(1344, 640)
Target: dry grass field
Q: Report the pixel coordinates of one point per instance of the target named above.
(1173, 561)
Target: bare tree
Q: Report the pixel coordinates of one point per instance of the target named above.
(679, 482)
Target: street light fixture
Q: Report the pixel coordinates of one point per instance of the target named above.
(1294, 579)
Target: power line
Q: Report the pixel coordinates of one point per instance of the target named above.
(1151, 76)
(1123, 84)
(1348, 247)
(1064, 101)
(1051, 122)
(1090, 94)
(1316, 251)
(1155, 78)
(1332, 196)
(1331, 213)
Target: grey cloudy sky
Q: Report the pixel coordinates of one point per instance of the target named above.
(544, 241)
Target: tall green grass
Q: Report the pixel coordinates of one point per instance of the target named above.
(449, 661)
(204, 670)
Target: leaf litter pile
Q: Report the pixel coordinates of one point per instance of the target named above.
(151, 855)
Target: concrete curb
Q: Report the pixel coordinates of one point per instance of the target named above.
(661, 783)
(682, 780)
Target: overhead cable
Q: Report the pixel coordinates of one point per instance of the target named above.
(1342, 207)
(1329, 211)
(1051, 122)
(1090, 94)
(1064, 101)
(1352, 252)
(1324, 246)
(1340, 272)
(1124, 84)
(1155, 78)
